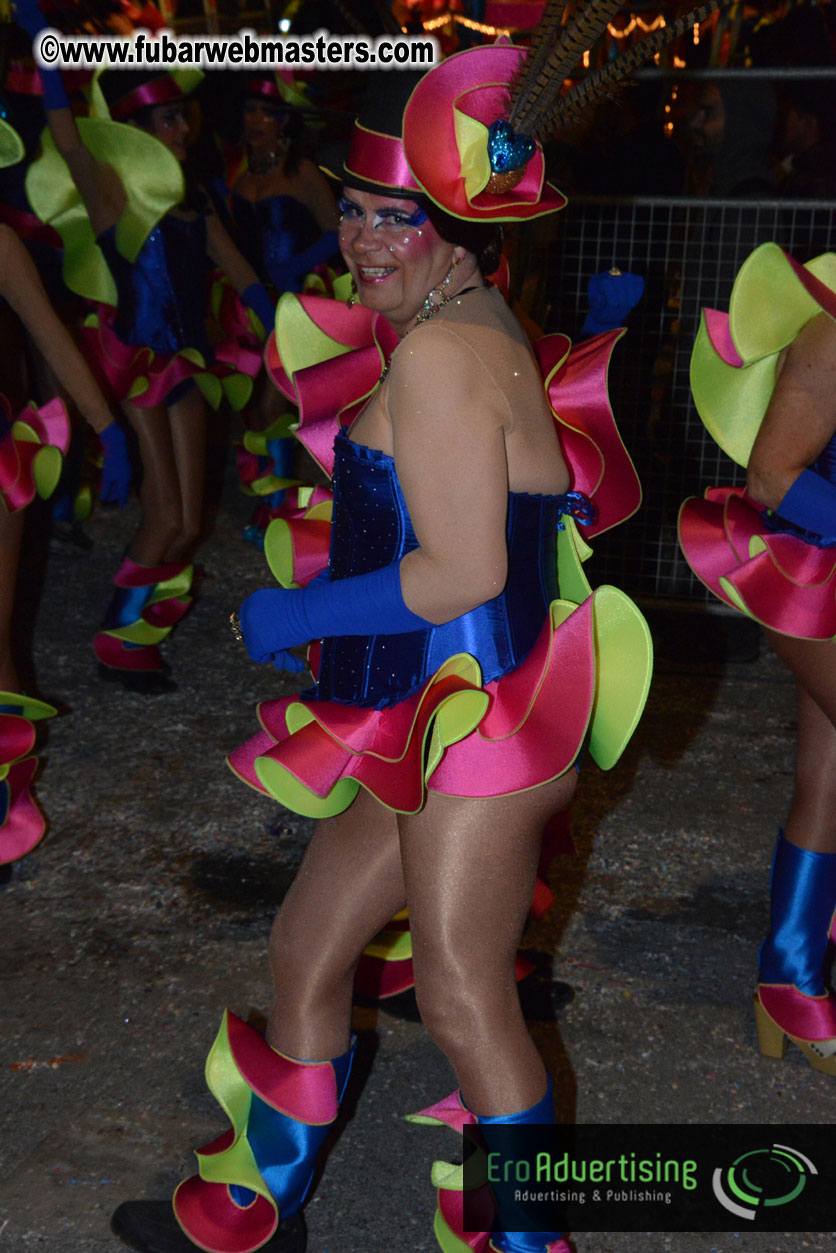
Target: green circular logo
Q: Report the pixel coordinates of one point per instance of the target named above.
(762, 1178)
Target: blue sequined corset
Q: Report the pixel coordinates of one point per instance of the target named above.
(825, 465)
(163, 294)
(371, 528)
(270, 232)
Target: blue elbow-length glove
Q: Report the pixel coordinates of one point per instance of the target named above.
(285, 275)
(116, 469)
(275, 619)
(29, 15)
(811, 504)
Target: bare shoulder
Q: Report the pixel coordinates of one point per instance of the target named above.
(309, 175)
(810, 360)
(307, 169)
(432, 354)
(817, 336)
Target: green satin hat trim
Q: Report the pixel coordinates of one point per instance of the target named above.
(11, 146)
(769, 306)
(153, 181)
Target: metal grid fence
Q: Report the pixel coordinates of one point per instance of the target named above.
(688, 252)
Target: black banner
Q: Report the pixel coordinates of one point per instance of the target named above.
(652, 1177)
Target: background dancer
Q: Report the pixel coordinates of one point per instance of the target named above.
(764, 381)
(31, 446)
(151, 351)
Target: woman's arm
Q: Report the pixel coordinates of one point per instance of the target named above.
(317, 196)
(98, 185)
(226, 257)
(801, 417)
(448, 422)
(22, 287)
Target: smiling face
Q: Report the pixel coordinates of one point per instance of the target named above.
(394, 254)
(170, 124)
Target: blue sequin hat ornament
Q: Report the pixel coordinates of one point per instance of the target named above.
(508, 154)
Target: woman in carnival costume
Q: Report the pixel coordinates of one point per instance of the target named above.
(283, 211)
(284, 220)
(31, 449)
(461, 659)
(764, 383)
(149, 344)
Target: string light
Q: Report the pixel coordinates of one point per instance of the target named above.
(624, 32)
(481, 28)
(668, 127)
(615, 32)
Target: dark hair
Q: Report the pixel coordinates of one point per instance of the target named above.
(292, 118)
(483, 239)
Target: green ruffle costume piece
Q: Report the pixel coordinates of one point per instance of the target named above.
(153, 181)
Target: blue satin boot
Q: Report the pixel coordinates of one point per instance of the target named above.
(449, 1222)
(253, 1180)
(523, 1241)
(793, 1000)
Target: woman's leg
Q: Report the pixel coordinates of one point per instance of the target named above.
(159, 497)
(793, 997)
(153, 581)
(172, 448)
(349, 885)
(469, 868)
(11, 533)
(187, 418)
(812, 820)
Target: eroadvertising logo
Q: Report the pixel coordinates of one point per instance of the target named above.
(651, 1178)
(770, 1177)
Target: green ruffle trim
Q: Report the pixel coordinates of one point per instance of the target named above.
(12, 149)
(237, 1164)
(153, 181)
(769, 306)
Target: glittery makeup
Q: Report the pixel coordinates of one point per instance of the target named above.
(387, 219)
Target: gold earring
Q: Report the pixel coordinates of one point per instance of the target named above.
(353, 296)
